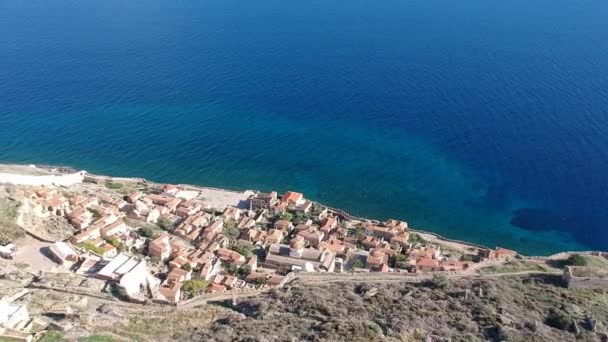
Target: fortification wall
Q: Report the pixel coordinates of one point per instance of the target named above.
(587, 283)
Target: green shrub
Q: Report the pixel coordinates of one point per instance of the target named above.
(149, 232)
(114, 241)
(113, 186)
(230, 230)
(243, 272)
(91, 247)
(577, 260)
(96, 214)
(243, 248)
(440, 281)
(9, 229)
(559, 320)
(53, 336)
(232, 269)
(286, 216)
(359, 232)
(357, 264)
(467, 257)
(416, 238)
(165, 223)
(261, 281)
(194, 287)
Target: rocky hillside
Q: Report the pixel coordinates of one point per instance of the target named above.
(535, 308)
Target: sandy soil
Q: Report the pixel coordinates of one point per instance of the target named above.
(34, 253)
(37, 180)
(455, 245)
(220, 199)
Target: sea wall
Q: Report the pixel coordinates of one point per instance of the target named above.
(90, 178)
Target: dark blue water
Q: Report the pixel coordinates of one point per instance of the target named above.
(482, 120)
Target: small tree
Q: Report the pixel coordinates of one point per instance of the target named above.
(114, 241)
(243, 248)
(359, 232)
(186, 267)
(96, 214)
(165, 223)
(243, 272)
(148, 232)
(286, 216)
(357, 264)
(232, 269)
(230, 230)
(397, 259)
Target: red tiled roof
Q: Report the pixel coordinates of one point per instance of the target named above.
(291, 196)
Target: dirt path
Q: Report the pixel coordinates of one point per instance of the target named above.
(306, 279)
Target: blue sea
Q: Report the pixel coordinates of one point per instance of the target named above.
(481, 120)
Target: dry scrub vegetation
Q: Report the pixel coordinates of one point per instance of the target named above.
(505, 309)
(9, 230)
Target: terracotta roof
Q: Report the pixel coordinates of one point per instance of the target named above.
(504, 251)
(169, 187)
(216, 288)
(426, 262)
(291, 196)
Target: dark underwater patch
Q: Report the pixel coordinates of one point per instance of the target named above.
(585, 230)
(539, 220)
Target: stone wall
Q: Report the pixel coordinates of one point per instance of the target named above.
(577, 282)
(90, 178)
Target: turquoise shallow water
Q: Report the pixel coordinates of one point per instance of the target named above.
(485, 121)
